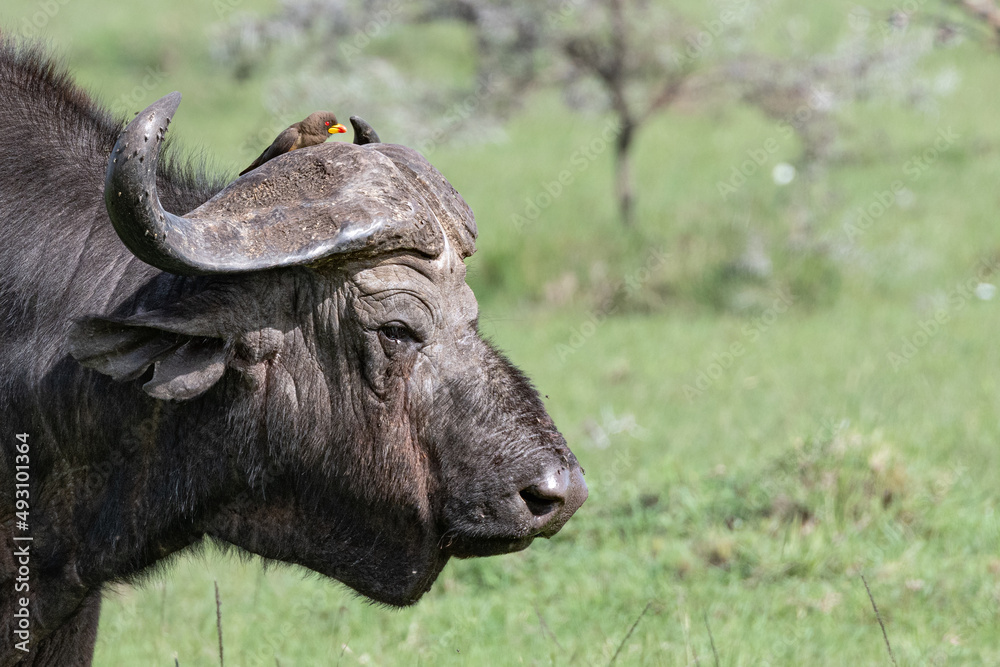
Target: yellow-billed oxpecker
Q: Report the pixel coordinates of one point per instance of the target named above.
(315, 129)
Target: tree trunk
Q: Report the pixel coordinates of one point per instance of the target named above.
(623, 172)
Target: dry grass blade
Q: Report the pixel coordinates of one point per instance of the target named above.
(629, 633)
(711, 640)
(878, 616)
(163, 604)
(547, 630)
(343, 650)
(218, 621)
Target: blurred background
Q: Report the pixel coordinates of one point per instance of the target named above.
(746, 249)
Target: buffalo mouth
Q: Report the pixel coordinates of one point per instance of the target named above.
(539, 509)
(477, 547)
(459, 545)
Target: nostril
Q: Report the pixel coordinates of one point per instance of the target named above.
(538, 504)
(548, 494)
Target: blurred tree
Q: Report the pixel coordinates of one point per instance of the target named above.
(984, 12)
(815, 97)
(630, 57)
(806, 93)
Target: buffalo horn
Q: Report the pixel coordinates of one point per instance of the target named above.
(301, 207)
(363, 132)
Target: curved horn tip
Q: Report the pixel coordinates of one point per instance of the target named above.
(149, 123)
(130, 188)
(363, 132)
(166, 105)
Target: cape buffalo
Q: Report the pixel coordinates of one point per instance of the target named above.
(290, 365)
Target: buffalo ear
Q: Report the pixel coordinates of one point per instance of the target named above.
(186, 363)
(118, 349)
(191, 370)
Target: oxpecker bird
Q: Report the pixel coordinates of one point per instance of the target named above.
(315, 129)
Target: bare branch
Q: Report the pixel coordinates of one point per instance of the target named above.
(985, 11)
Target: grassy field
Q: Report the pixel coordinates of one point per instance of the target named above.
(747, 465)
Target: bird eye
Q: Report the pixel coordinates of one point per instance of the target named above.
(328, 123)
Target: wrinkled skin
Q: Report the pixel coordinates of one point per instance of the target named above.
(344, 415)
(394, 344)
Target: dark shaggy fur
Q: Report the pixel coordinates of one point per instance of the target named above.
(61, 260)
(345, 416)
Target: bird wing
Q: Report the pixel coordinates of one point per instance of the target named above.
(282, 144)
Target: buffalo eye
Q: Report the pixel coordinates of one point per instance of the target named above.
(396, 336)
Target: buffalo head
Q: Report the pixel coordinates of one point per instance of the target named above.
(313, 340)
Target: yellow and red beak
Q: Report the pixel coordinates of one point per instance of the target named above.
(337, 129)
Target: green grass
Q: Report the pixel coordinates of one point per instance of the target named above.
(750, 504)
